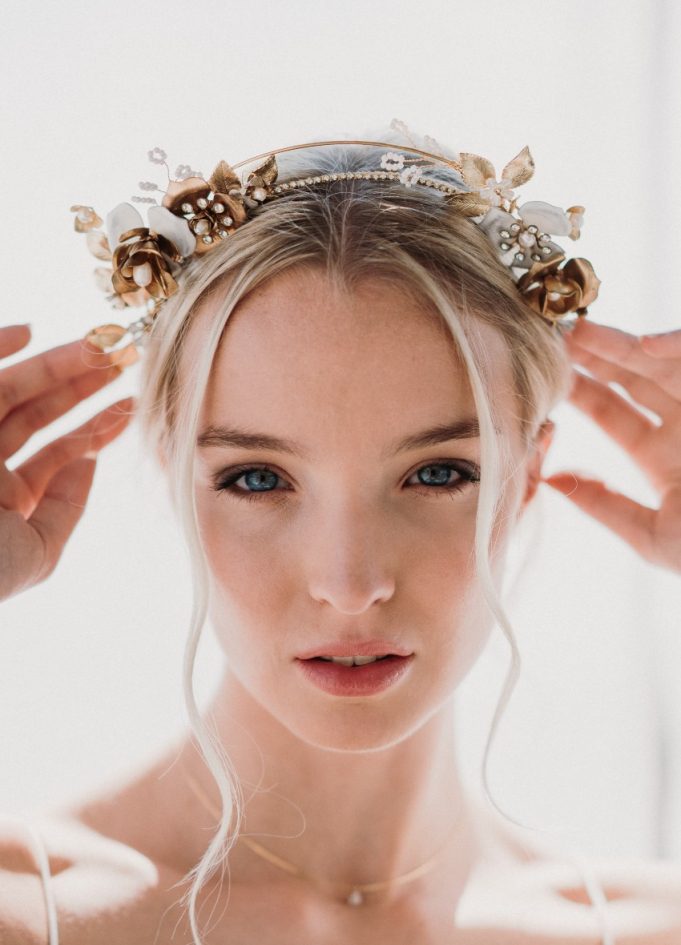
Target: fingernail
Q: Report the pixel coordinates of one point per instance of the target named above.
(658, 334)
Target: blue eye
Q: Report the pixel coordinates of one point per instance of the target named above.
(433, 478)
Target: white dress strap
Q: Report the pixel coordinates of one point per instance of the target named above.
(597, 896)
(40, 853)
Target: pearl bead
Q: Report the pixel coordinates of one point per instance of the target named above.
(259, 194)
(355, 898)
(187, 208)
(203, 226)
(526, 240)
(142, 275)
(219, 207)
(202, 202)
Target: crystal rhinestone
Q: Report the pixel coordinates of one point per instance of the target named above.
(207, 239)
(284, 186)
(532, 230)
(544, 237)
(429, 183)
(85, 215)
(355, 898)
(505, 246)
(520, 256)
(187, 208)
(546, 250)
(219, 207)
(202, 202)
(515, 228)
(350, 176)
(325, 177)
(536, 257)
(222, 234)
(334, 177)
(277, 190)
(504, 234)
(228, 220)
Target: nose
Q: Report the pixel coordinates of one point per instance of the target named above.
(351, 559)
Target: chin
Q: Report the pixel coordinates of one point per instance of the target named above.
(360, 726)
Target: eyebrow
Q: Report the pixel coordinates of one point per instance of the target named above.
(464, 429)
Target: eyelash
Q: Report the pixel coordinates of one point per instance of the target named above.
(470, 475)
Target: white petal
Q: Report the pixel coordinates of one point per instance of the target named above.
(174, 228)
(546, 217)
(122, 218)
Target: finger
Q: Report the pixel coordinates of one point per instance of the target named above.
(13, 338)
(33, 476)
(666, 344)
(627, 351)
(38, 413)
(61, 508)
(43, 372)
(622, 422)
(643, 390)
(632, 522)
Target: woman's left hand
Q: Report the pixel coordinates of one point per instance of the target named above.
(649, 369)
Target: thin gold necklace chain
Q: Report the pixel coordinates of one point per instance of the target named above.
(357, 891)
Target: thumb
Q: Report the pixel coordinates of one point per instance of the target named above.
(61, 507)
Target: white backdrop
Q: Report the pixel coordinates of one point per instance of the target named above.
(592, 742)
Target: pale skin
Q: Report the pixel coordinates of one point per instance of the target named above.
(351, 543)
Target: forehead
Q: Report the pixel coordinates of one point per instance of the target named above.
(302, 357)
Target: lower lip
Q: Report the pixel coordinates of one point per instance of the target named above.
(366, 680)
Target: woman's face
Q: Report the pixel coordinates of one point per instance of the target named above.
(356, 526)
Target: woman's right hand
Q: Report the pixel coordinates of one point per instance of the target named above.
(42, 499)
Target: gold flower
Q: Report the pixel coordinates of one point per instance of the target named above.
(261, 181)
(553, 292)
(142, 266)
(86, 219)
(208, 206)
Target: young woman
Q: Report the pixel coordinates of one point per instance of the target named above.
(350, 394)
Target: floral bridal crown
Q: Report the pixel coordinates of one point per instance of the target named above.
(196, 214)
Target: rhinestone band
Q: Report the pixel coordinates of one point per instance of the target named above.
(362, 175)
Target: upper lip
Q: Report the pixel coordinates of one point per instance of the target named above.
(356, 648)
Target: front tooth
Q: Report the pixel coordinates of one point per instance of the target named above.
(345, 660)
(361, 660)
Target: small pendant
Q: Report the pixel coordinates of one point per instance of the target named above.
(355, 898)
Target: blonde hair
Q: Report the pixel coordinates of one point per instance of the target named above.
(352, 231)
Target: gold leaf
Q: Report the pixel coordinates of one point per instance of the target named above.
(223, 179)
(520, 169)
(470, 205)
(267, 172)
(475, 170)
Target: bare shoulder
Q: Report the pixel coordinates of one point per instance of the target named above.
(91, 876)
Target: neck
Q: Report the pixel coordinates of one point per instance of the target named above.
(349, 817)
